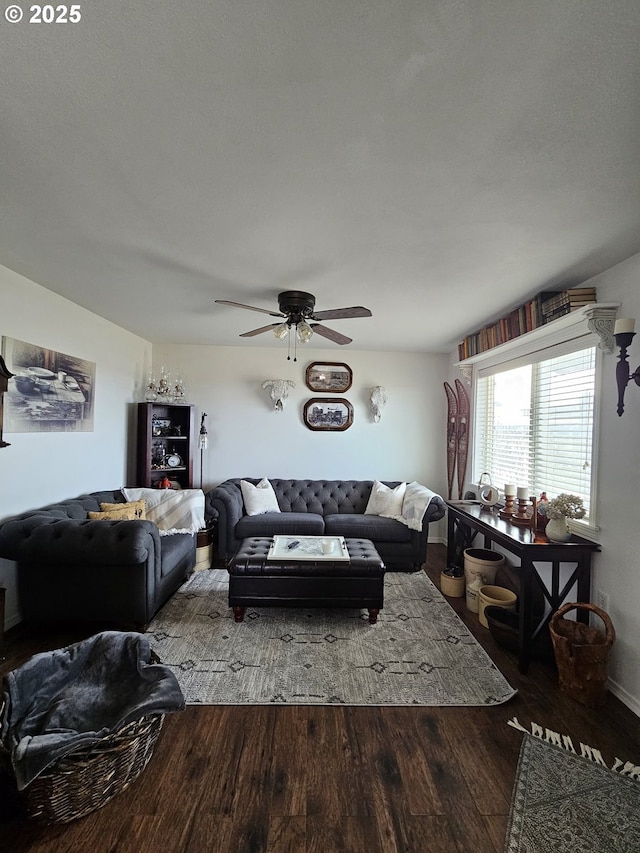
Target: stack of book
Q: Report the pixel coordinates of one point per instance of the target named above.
(548, 305)
(555, 304)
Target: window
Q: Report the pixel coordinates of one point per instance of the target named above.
(534, 422)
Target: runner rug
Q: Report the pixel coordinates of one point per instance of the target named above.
(418, 653)
(564, 802)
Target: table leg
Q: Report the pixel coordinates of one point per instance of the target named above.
(373, 615)
(238, 614)
(525, 625)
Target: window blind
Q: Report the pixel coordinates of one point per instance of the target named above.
(534, 423)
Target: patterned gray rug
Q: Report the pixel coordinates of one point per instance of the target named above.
(564, 802)
(419, 652)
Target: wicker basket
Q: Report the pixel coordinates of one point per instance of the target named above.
(87, 778)
(582, 654)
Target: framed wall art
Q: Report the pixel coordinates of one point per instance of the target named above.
(328, 414)
(334, 377)
(49, 391)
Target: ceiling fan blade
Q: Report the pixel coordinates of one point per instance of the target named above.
(249, 307)
(331, 334)
(259, 331)
(341, 313)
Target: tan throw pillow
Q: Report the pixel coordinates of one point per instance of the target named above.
(139, 507)
(125, 514)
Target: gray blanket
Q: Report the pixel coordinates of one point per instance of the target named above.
(75, 696)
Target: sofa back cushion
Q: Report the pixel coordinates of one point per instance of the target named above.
(323, 497)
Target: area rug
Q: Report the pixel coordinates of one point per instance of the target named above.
(418, 653)
(564, 802)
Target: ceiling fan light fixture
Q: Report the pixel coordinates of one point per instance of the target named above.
(304, 332)
(281, 331)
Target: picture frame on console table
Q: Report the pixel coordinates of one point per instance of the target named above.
(328, 414)
(334, 377)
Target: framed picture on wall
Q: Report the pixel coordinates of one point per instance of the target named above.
(334, 377)
(328, 413)
(49, 392)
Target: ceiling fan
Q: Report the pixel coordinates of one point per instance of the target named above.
(297, 308)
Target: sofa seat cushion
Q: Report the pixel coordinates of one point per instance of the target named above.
(283, 523)
(174, 551)
(374, 527)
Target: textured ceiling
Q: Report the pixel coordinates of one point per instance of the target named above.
(437, 162)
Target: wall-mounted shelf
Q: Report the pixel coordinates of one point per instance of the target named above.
(597, 318)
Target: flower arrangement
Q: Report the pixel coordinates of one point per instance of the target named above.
(565, 506)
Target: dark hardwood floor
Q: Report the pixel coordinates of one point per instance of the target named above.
(324, 779)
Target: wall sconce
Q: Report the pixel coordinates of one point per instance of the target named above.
(378, 400)
(624, 333)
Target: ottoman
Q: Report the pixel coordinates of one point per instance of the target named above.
(255, 581)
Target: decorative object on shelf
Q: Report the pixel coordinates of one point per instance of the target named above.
(624, 333)
(166, 389)
(378, 400)
(203, 442)
(558, 510)
(457, 434)
(487, 493)
(523, 515)
(5, 376)
(278, 391)
(151, 390)
(173, 460)
(296, 308)
(509, 499)
(334, 377)
(328, 414)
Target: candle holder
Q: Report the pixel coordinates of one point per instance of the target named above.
(507, 511)
(522, 518)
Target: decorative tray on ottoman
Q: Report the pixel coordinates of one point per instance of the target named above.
(301, 548)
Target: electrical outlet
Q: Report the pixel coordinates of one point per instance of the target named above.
(603, 600)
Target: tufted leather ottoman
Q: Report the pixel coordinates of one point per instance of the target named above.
(255, 581)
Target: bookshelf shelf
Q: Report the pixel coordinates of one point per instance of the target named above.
(544, 308)
(597, 318)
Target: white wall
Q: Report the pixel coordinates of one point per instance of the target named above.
(42, 467)
(617, 567)
(247, 438)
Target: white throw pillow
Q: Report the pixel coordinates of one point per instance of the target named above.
(385, 501)
(259, 499)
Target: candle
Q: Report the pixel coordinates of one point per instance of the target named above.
(509, 489)
(627, 325)
(523, 493)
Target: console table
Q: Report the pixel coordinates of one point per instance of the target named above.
(533, 553)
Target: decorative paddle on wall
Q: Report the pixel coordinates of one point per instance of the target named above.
(458, 411)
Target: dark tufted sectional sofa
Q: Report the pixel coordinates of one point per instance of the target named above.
(77, 569)
(317, 507)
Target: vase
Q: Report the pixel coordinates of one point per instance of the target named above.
(558, 530)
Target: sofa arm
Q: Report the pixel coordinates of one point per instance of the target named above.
(435, 511)
(102, 542)
(226, 501)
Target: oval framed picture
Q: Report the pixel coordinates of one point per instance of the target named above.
(334, 377)
(328, 414)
